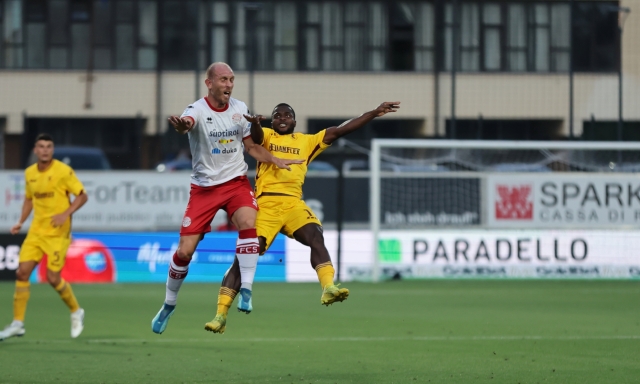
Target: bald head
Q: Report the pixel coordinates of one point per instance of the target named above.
(219, 81)
(217, 68)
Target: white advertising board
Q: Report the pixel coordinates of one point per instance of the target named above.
(534, 254)
(542, 200)
(118, 200)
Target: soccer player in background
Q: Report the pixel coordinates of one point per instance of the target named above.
(48, 184)
(279, 193)
(217, 133)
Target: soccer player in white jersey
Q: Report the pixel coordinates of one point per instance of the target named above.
(218, 133)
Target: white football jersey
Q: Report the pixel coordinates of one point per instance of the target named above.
(216, 141)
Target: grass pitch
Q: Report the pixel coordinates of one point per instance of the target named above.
(394, 332)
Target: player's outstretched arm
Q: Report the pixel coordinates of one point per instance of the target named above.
(334, 133)
(261, 154)
(257, 134)
(182, 125)
(60, 218)
(27, 206)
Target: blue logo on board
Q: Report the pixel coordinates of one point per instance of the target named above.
(96, 262)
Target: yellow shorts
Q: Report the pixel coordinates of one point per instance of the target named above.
(284, 214)
(36, 246)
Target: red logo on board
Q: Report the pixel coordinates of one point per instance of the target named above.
(514, 202)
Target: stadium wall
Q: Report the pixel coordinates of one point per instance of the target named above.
(322, 95)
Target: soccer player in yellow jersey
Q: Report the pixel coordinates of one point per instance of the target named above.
(48, 184)
(279, 194)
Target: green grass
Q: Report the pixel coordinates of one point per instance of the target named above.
(394, 332)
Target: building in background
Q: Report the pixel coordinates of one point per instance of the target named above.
(107, 73)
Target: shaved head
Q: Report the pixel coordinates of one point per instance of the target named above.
(217, 67)
(219, 82)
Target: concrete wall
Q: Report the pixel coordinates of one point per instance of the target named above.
(321, 95)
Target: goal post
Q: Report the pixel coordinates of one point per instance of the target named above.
(432, 185)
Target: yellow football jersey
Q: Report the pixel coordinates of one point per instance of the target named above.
(270, 178)
(49, 190)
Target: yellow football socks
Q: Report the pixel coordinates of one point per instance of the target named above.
(225, 299)
(20, 298)
(325, 273)
(66, 294)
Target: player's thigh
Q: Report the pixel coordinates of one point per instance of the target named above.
(204, 203)
(297, 217)
(56, 250)
(241, 204)
(31, 249)
(244, 218)
(268, 221)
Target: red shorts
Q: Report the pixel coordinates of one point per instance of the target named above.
(204, 203)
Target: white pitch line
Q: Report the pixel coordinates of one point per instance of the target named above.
(219, 339)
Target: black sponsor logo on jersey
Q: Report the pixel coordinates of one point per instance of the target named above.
(209, 120)
(43, 195)
(223, 133)
(282, 148)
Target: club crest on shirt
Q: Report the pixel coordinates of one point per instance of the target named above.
(236, 118)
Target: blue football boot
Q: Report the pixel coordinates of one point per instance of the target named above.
(244, 301)
(159, 323)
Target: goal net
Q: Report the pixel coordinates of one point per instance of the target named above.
(424, 190)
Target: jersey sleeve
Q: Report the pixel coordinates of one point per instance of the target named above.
(28, 193)
(192, 112)
(316, 145)
(72, 183)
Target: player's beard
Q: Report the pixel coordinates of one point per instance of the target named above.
(287, 131)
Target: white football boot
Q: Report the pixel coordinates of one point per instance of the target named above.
(16, 328)
(77, 323)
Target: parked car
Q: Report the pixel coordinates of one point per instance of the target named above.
(175, 165)
(79, 158)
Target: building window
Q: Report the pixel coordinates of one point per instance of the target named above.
(492, 37)
(80, 15)
(288, 35)
(179, 34)
(378, 36)
(285, 37)
(595, 37)
(424, 37)
(35, 32)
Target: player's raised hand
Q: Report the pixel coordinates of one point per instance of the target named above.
(386, 107)
(284, 163)
(179, 124)
(254, 119)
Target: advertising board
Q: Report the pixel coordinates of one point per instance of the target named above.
(9, 255)
(145, 257)
(118, 201)
(530, 254)
(545, 200)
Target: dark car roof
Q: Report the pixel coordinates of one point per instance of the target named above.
(71, 150)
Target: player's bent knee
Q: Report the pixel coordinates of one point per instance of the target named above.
(53, 278)
(185, 254)
(22, 275)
